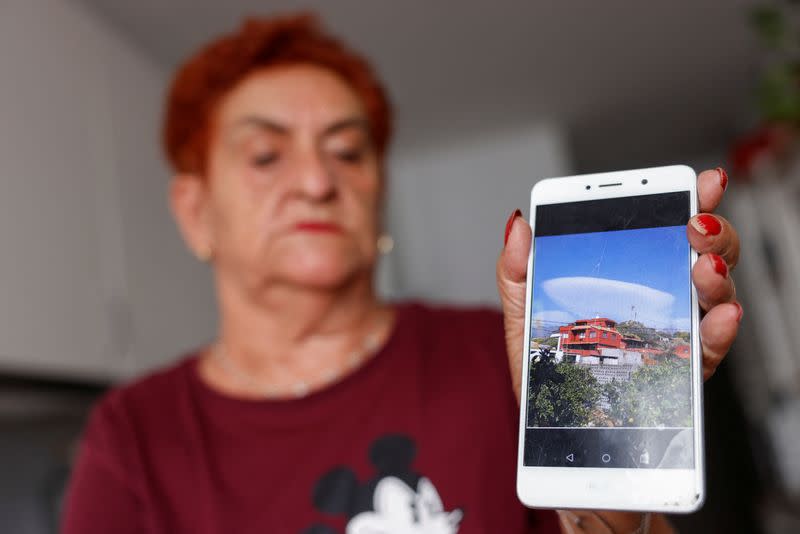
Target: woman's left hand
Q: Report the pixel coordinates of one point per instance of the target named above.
(712, 236)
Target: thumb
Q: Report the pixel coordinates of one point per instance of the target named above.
(512, 267)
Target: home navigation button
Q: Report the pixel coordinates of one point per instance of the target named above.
(606, 458)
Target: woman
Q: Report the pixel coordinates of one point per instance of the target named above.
(319, 408)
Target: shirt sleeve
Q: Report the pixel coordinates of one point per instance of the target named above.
(100, 496)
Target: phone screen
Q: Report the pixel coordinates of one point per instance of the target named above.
(610, 374)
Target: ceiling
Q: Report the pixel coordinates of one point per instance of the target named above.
(639, 82)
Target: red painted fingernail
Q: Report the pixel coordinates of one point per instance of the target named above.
(510, 223)
(741, 312)
(719, 265)
(706, 224)
(723, 178)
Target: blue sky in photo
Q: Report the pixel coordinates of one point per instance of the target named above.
(642, 273)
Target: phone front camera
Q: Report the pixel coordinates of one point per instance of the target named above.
(588, 187)
(644, 182)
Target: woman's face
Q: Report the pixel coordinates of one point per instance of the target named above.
(293, 182)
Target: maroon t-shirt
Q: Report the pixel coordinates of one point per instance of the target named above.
(422, 438)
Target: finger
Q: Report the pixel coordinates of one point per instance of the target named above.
(713, 233)
(710, 186)
(712, 279)
(512, 267)
(718, 330)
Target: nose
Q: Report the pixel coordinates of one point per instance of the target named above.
(314, 178)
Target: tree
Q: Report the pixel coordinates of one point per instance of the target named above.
(560, 394)
(635, 328)
(683, 335)
(656, 395)
(550, 342)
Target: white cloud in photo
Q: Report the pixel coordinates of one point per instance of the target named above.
(586, 297)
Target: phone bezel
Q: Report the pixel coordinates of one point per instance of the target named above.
(662, 490)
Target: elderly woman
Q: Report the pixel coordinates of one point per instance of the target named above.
(319, 408)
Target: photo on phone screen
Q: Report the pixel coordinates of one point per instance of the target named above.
(610, 374)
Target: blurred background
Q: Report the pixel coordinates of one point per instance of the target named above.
(96, 286)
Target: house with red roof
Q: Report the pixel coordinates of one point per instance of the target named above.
(598, 341)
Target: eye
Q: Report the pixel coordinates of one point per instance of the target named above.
(350, 156)
(264, 160)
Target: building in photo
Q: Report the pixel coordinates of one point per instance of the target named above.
(610, 354)
(597, 341)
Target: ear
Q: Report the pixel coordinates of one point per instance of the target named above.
(334, 492)
(188, 199)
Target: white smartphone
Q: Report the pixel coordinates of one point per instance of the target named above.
(611, 413)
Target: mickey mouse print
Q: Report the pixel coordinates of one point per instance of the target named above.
(400, 509)
(396, 501)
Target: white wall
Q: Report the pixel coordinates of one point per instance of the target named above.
(49, 292)
(169, 294)
(94, 281)
(448, 205)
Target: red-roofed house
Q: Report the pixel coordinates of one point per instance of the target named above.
(587, 338)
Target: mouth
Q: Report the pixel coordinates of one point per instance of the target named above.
(318, 226)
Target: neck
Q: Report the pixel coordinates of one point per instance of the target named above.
(292, 333)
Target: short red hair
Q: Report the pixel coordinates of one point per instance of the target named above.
(209, 75)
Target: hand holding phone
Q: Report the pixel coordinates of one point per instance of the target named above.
(611, 404)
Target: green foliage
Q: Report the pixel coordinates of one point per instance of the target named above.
(635, 328)
(567, 394)
(550, 342)
(561, 394)
(769, 24)
(778, 92)
(655, 395)
(682, 335)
